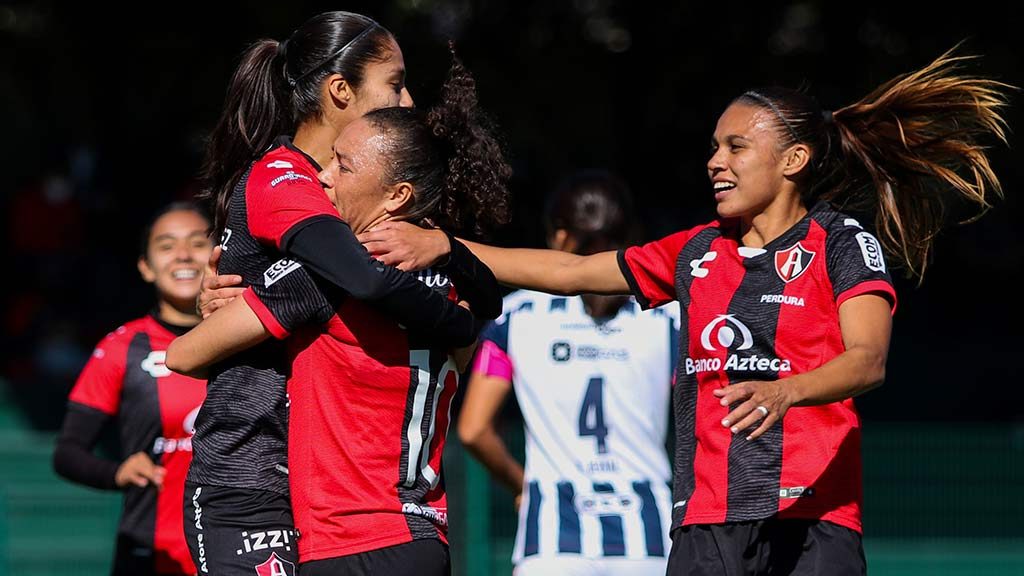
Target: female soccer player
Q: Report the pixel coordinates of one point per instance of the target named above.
(277, 229)
(154, 408)
(786, 304)
(592, 376)
(369, 399)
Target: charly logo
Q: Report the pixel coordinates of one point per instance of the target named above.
(280, 164)
(696, 269)
(724, 328)
(561, 351)
(154, 364)
(275, 566)
(792, 262)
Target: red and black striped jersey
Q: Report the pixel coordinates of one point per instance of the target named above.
(370, 408)
(155, 410)
(241, 431)
(761, 314)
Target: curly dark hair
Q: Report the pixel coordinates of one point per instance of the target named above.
(451, 157)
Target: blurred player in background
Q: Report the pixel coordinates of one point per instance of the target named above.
(592, 376)
(127, 382)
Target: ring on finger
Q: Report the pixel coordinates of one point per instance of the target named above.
(763, 411)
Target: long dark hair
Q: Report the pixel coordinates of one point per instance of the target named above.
(276, 87)
(906, 152)
(596, 208)
(451, 157)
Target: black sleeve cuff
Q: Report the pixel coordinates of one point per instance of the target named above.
(631, 280)
(474, 281)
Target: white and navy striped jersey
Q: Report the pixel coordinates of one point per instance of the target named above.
(595, 401)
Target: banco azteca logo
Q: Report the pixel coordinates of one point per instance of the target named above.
(724, 330)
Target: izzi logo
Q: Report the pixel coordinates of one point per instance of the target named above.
(266, 540)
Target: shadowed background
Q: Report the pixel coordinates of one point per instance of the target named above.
(104, 114)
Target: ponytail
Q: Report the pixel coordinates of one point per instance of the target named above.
(919, 139)
(277, 87)
(255, 112)
(906, 152)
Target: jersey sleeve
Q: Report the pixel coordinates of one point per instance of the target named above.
(650, 269)
(856, 264)
(100, 382)
(493, 361)
(496, 332)
(290, 297)
(279, 198)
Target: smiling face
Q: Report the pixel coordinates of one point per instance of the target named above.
(177, 250)
(746, 168)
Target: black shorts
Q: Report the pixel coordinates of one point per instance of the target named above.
(134, 559)
(243, 532)
(427, 557)
(791, 547)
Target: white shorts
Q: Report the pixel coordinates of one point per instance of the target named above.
(577, 566)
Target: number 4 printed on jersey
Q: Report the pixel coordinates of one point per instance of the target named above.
(431, 400)
(592, 414)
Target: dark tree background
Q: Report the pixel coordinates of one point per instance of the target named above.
(103, 114)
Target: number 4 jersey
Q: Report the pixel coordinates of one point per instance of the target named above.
(595, 400)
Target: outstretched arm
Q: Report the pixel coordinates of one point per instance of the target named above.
(409, 247)
(554, 271)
